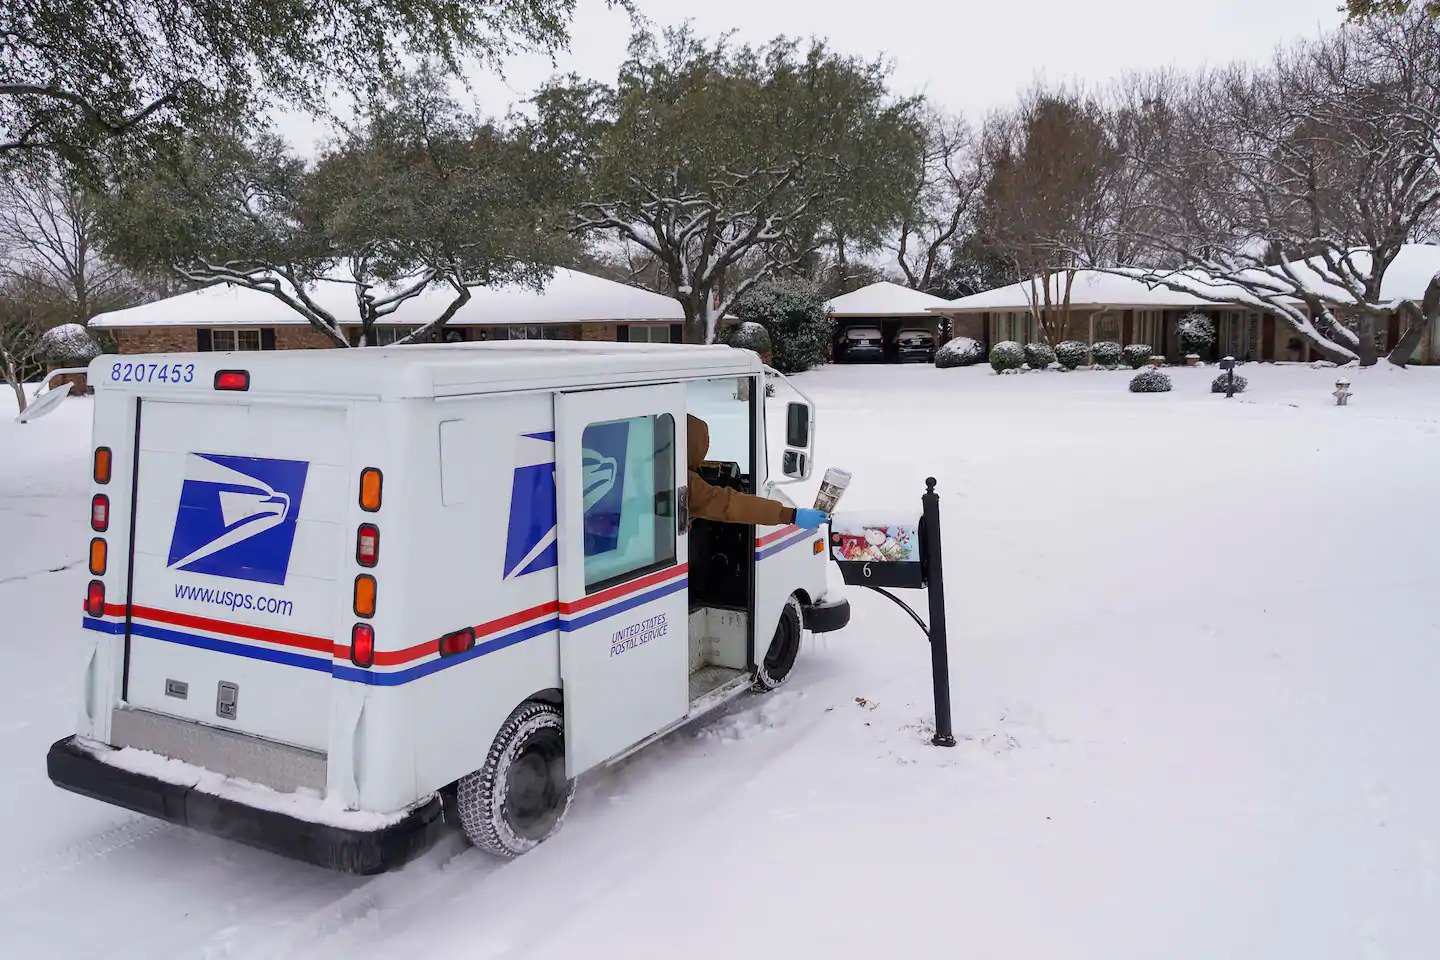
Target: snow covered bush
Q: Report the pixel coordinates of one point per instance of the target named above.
(960, 352)
(1106, 354)
(1039, 355)
(794, 313)
(1150, 381)
(1071, 353)
(1007, 355)
(1197, 333)
(68, 345)
(749, 336)
(1218, 384)
(1136, 355)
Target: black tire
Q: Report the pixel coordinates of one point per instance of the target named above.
(779, 659)
(521, 795)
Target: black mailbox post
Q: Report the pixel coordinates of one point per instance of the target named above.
(905, 556)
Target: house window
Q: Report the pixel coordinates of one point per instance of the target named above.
(227, 340)
(637, 333)
(528, 332)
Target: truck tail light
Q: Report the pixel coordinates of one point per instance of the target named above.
(97, 556)
(365, 596)
(457, 642)
(99, 513)
(362, 645)
(370, 482)
(102, 464)
(95, 599)
(232, 380)
(367, 545)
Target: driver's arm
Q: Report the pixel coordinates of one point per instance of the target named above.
(731, 506)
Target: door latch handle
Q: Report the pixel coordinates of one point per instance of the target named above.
(682, 509)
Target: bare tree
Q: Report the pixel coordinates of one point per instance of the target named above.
(49, 236)
(22, 321)
(942, 199)
(1049, 163)
(1288, 190)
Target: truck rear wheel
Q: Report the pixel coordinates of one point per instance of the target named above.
(521, 795)
(784, 648)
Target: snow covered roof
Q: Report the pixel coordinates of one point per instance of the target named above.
(885, 299)
(1091, 288)
(569, 297)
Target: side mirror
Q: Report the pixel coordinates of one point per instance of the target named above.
(795, 465)
(797, 425)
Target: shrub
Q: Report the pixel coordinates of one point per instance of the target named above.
(1136, 355)
(68, 345)
(1197, 333)
(1007, 355)
(1106, 353)
(795, 314)
(1150, 381)
(1071, 353)
(960, 352)
(1039, 355)
(1218, 384)
(750, 336)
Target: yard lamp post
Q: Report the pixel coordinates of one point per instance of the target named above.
(1342, 392)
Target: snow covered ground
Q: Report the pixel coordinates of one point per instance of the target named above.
(1194, 655)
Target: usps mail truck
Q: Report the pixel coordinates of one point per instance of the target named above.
(340, 599)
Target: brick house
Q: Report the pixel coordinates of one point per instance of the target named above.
(572, 306)
(1105, 306)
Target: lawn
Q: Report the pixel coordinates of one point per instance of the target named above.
(1193, 644)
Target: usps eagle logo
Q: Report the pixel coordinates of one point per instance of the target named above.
(530, 542)
(237, 516)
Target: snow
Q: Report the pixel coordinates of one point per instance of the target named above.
(1193, 660)
(302, 804)
(568, 297)
(885, 299)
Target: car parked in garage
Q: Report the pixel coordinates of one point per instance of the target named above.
(915, 344)
(860, 344)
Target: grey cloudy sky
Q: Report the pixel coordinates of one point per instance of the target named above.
(968, 56)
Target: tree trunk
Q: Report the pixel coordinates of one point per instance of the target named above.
(12, 377)
(1365, 327)
(696, 306)
(1416, 323)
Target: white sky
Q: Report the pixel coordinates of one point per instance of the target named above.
(969, 57)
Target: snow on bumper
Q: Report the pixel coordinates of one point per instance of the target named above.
(367, 844)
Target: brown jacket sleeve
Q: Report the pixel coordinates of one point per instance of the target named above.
(732, 506)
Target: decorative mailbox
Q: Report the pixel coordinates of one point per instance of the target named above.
(877, 550)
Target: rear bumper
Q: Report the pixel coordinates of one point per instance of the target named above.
(826, 616)
(863, 353)
(75, 766)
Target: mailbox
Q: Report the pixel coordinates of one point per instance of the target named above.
(877, 550)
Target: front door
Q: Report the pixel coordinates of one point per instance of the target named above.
(624, 601)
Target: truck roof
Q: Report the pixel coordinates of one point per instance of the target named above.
(435, 370)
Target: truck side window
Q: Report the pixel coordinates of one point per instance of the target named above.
(629, 490)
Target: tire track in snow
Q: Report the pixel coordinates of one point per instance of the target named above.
(83, 852)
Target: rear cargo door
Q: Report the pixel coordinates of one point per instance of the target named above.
(238, 546)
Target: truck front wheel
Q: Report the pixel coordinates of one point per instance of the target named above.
(521, 795)
(784, 648)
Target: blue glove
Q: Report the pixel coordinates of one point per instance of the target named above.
(809, 519)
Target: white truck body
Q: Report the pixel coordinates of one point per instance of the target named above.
(531, 509)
